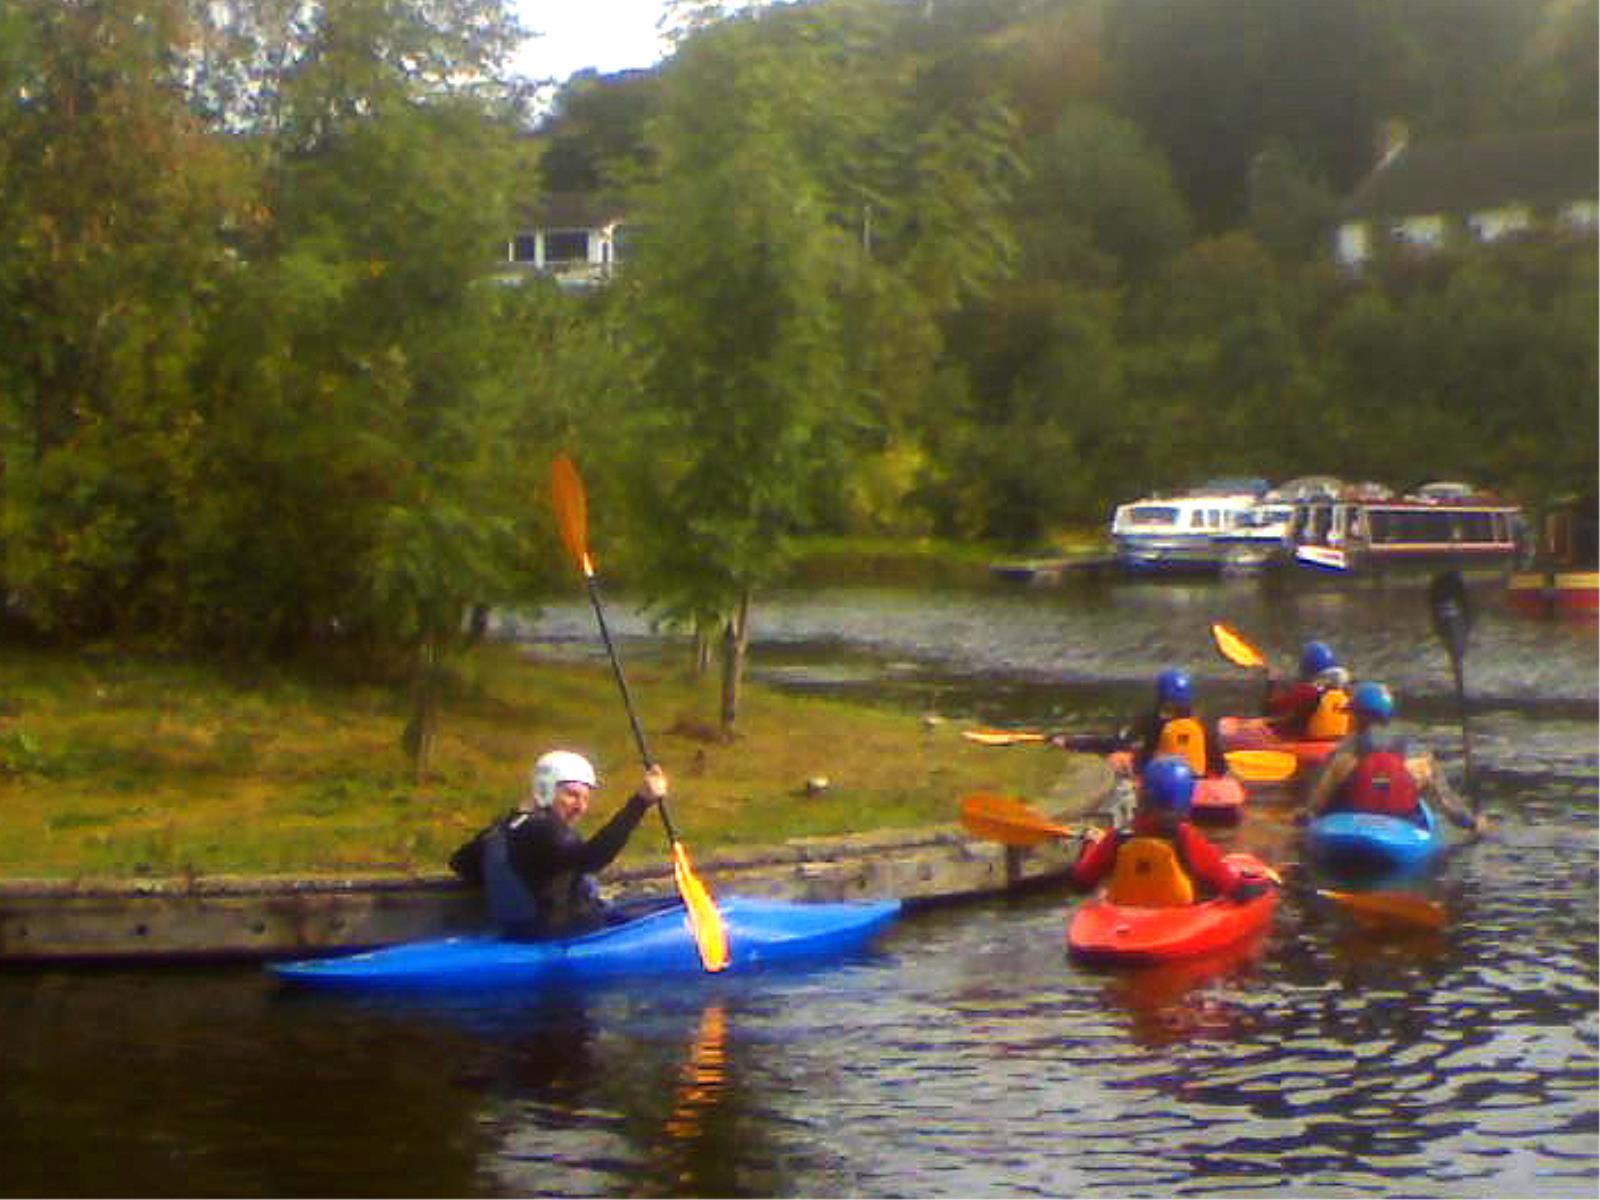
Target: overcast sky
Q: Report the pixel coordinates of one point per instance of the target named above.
(609, 35)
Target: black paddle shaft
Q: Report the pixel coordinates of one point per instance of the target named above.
(627, 696)
(1451, 611)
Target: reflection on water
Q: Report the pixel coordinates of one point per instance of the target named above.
(970, 1057)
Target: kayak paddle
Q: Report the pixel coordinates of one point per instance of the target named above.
(1452, 621)
(1252, 766)
(1008, 820)
(1233, 646)
(1087, 743)
(572, 516)
(1405, 908)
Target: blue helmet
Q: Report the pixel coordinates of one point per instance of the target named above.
(1315, 658)
(1169, 784)
(1173, 686)
(1372, 701)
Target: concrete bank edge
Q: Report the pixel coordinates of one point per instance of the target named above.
(220, 917)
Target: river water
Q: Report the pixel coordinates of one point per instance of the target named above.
(965, 1056)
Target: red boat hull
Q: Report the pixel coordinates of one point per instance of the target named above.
(1253, 733)
(1103, 932)
(1557, 594)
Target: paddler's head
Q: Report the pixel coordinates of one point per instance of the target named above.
(1167, 788)
(1174, 691)
(1371, 704)
(560, 783)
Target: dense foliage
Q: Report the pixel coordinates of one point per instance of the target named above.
(973, 267)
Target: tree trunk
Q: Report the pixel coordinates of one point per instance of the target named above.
(422, 727)
(735, 643)
(702, 647)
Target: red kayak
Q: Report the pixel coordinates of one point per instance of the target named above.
(1218, 799)
(1103, 932)
(1253, 733)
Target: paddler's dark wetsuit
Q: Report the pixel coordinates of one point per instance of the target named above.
(538, 873)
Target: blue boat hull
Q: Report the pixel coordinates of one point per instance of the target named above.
(760, 933)
(1370, 844)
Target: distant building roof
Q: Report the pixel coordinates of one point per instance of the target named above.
(1474, 174)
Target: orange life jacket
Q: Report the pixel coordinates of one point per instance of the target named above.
(1332, 718)
(1185, 737)
(1148, 874)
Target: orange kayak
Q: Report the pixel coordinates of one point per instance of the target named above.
(1103, 932)
(1253, 733)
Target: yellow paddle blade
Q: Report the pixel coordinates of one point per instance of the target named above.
(1009, 821)
(1233, 646)
(1262, 766)
(1002, 737)
(1407, 908)
(705, 922)
(571, 505)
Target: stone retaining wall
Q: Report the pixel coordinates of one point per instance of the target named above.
(218, 917)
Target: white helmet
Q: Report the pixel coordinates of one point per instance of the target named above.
(554, 769)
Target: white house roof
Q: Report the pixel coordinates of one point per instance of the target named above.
(1477, 174)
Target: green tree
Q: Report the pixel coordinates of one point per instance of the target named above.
(119, 199)
(734, 303)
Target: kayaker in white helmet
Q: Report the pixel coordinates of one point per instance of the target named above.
(537, 871)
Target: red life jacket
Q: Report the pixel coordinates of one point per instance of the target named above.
(1381, 782)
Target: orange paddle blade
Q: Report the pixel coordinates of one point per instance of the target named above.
(1234, 647)
(1002, 737)
(1406, 908)
(571, 505)
(1009, 821)
(705, 922)
(1262, 766)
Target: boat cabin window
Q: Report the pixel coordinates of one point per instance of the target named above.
(1153, 514)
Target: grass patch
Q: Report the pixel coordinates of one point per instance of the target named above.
(115, 766)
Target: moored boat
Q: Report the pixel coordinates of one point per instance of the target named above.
(1365, 528)
(1365, 844)
(1102, 931)
(1178, 533)
(760, 933)
(1564, 578)
(1555, 593)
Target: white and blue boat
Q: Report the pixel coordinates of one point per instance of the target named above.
(1183, 533)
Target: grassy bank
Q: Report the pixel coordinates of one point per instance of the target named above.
(113, 766)
(923, 561)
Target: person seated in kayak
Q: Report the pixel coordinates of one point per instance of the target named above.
(1314, 706)
(1161, 860)
(537, 871)
(1173, 727)
(1373, 771)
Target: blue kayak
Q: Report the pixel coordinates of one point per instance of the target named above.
(1374, 844)
(760, 933)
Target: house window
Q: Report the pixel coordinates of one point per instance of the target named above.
(1497, 223)
(1419, 231)
(525, 248)
(566, 246)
